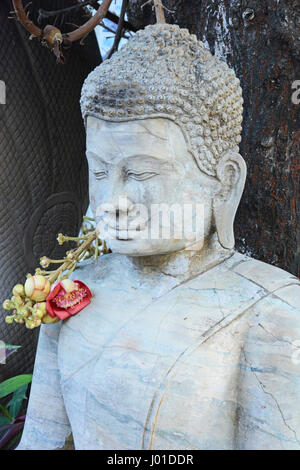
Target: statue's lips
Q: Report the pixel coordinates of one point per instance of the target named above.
(119, 233)
(129, 234)
(117, 227)
(139, 225)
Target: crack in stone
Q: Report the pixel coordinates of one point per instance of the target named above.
(262, 386)
(263, 287)
(215, 290)
(278, 339)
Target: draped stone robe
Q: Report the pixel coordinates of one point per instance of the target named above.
(207, 363)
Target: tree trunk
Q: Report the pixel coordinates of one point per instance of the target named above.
(260, 41)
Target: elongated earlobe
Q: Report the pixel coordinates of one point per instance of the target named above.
(231, 172)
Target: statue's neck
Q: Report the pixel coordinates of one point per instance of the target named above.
(181, 265)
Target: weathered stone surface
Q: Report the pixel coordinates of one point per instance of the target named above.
(204, 365)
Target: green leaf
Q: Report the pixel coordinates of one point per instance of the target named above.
(12, 444)
(11, 347)
(4, 420)
(5, 413)
(15, 403)
(11, 385)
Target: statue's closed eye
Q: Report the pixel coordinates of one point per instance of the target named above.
(142, 176)
(139, 176)
(100, 174)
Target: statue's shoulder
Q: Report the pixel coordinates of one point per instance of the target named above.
(269, 380)
(105, 267)
(273, 280)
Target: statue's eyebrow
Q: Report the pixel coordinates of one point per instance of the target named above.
(140, 160)
(127, 158)
(145, 156)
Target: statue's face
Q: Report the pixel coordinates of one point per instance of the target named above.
(137, 166)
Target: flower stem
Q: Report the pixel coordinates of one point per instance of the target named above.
(72, 263)
(75, 239)
(96, 249)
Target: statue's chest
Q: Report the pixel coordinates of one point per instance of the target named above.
(142, 373)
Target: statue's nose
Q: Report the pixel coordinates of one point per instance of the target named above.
(120, 203)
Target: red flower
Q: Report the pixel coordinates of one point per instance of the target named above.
(67, 298)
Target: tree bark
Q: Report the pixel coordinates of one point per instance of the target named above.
(260, 41)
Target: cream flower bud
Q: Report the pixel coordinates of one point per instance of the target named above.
(37, 288)
(38, 314)
(42, 307)
(30, 324)
(18, 290)
(9, 319)
(24, 311)
(45, 262)
(17, 300)
(61, 239)
(8, 304)
(48, 320)
(39, 310)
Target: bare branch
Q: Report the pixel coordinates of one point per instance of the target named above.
(44, 14)
(119, 31)
(26, 22)
(159, 11)
(110, 30)
(67, 38)
(91, 23)
(114, 18)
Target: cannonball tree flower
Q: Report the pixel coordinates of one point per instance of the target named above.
(67, 298)
(28, 302)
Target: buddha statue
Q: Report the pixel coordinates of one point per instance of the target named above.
(186, 344)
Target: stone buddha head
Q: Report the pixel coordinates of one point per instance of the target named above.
(163, 120)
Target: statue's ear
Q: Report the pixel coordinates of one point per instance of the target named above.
(231, 172)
